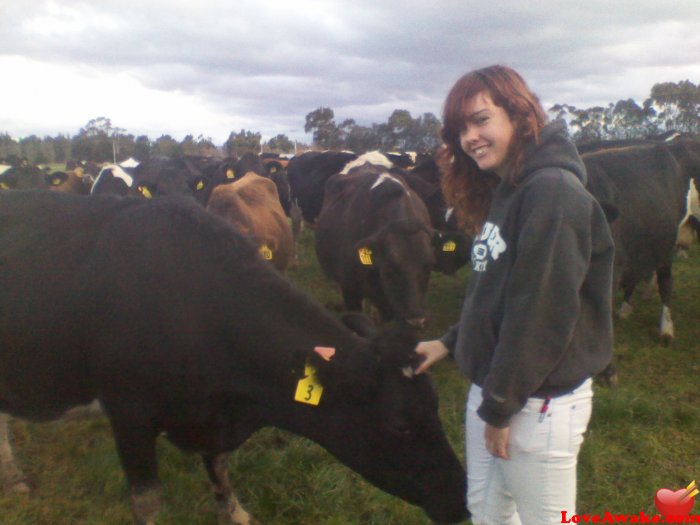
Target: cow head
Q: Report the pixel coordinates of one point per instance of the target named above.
(452, 251)
(169, 177)
(381, 419)
(402, 257)
(75, 181)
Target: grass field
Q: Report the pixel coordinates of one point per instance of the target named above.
(644, 435)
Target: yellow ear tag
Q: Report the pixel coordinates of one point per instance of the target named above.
(273, 169)
(143, 190)
(230, 174)
(55, 181)
(309, 390)
(449, 246)
(266, 252)
(4, 186)
(200, 185)
(365, 256)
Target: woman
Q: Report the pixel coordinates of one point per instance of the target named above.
(536, 323)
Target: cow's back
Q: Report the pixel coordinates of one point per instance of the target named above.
(645, 186)
(252, 204)
(46, 242)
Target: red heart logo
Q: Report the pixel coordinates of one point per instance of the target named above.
(670, 503)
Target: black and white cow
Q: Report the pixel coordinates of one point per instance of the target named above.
(647, 186)
(373, 237)
(113, 180)
(308, 174)
(175, 323)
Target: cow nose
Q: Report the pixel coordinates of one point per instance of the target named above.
(417, 322)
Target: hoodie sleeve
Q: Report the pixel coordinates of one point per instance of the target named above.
(449, 339)
(542, 302)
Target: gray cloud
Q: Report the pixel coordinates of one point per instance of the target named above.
(265, 65)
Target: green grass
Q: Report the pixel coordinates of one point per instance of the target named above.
(644, 435)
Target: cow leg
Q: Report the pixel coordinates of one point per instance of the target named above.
(136, 445)
(13, 479)
(230, 511)
(665, 280)
(628, 283)
(651, 288)
(295, 215)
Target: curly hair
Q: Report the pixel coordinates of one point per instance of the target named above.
(464, 185)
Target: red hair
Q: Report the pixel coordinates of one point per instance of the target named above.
(465, 186)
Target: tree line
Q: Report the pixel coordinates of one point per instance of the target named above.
(670, 106)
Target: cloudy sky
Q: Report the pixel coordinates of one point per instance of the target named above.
(209, 67)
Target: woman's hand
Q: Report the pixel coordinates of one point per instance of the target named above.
(497, 441)
(432, 351)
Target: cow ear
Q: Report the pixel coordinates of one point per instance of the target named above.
(351, 374)
(367, 250)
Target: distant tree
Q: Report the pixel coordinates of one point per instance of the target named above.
(426, 134)
(189, 146)
(398, 131)
(9, 148)
(61, 145)
(361, 139)
(243, 142)
(32, 149)
(94, 141)
(281, 144)
(629, 120)
(125, 146)
(677, 105)
(325, 132)
(166, 146)
(206, 147)
(142, 148)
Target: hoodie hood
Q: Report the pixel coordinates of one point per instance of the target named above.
(555, 150)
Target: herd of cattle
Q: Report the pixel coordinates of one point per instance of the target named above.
(161, 308)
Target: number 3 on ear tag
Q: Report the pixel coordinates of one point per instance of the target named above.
(309, 390)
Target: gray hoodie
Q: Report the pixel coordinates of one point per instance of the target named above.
(537, 317)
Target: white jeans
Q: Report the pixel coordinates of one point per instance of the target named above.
(538, 482)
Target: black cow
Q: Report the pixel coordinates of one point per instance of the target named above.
(308, 174)
(23, 177)
(173, 321)
(163, 176)
(373, 237)
(452, 246)
(113, 180)
(647, 187)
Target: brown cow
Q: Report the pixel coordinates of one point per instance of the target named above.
(75, 181)
(252, 205)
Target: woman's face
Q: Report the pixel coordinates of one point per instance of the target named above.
(487, 134)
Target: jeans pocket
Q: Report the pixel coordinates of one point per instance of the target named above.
(530, 430)
(580, 416)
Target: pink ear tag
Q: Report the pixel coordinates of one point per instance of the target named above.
(326, 352)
